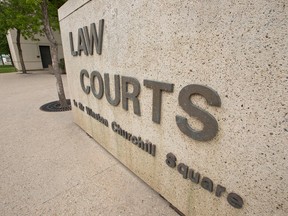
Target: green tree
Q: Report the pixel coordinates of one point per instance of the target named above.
(4, 47)
(48, 23)
(30, 17)
(17, 14)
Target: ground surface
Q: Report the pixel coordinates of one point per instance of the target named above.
(49, 166)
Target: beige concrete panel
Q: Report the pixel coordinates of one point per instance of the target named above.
(13, 49)
(239, 49)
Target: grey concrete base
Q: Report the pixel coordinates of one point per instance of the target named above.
(49, 166)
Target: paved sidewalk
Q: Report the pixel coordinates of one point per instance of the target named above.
(49, 166)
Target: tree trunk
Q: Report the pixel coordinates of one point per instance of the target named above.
(1, 59)
(54, 54)
(20, 52)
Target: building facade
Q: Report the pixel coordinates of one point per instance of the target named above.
(36, 53)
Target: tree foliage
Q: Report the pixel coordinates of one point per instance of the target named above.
(17, 14)
(26, 16)
(31, 17)
(4, 48)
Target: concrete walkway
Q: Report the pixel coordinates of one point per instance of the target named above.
(49, 166)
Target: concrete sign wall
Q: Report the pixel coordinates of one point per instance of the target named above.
(189, 95)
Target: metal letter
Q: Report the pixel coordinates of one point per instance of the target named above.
(153, 151)
(171, 160)
(219, 190)
(114, 126)
(75, 103)
(73, 53)
(100, 82)
(140, 143)
(235, 200)
(94, 38)
(82, 74)
(183, 169)
(88, 111)
(116, 101)
(194, 177)
(157, 88)
(81, 42)
(207, 184)
(210, 123)
(132, 96)
(134, 140)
